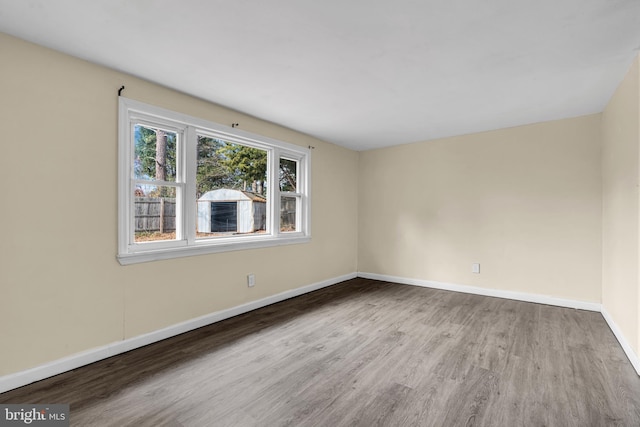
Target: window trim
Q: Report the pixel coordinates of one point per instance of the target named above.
(187, 129)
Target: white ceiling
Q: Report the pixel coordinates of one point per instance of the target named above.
(361, 74)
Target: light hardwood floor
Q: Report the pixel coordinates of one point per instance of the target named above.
(365, 353)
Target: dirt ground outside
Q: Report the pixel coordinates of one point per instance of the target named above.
(156, 236)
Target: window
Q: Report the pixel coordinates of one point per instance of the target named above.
(188, 186)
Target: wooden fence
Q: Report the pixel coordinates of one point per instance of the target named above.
(159, 214)
(155, 214)
(288, 214)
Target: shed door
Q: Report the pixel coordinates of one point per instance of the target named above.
(224, 216)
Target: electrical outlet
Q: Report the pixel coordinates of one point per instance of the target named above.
(475, 268)
(251, 280)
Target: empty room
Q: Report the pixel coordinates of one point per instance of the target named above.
(296, 213)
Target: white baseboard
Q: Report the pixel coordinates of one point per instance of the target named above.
(19, 379)
(633, 357)
(519, 296)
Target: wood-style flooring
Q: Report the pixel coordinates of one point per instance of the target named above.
(365, 353)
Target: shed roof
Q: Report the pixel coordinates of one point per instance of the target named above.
(230, 195)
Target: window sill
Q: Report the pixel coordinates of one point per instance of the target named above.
(207, 248)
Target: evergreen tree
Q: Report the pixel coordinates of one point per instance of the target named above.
(211, 173)
(247, 164)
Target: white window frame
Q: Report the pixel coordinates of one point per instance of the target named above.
(187, 129)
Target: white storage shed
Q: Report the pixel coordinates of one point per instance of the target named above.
(231, 211)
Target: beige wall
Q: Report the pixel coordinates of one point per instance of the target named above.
(62, 290)
(621, 214)
(524, 202)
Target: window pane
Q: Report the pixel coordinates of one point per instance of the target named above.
(154, 213)
(288, 175)
(231, 183)
(288, 210)
(155, 154)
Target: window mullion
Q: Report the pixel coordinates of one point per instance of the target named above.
(274, 186)
(191, 160)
